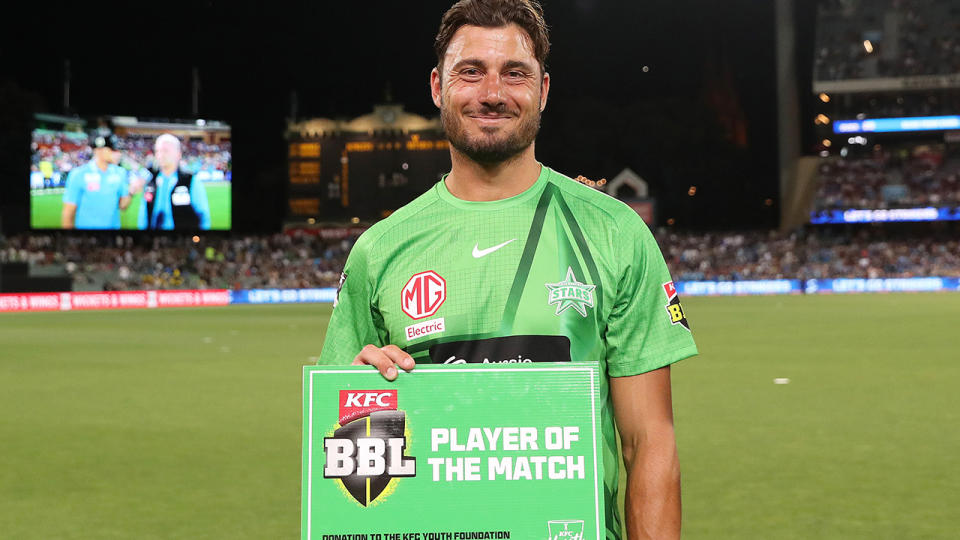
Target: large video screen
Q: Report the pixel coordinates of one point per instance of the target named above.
(126, 173)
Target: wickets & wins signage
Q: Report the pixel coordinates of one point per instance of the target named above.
(452, 452)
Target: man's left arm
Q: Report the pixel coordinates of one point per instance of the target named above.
(647, 331)
(124, 191)
(643, 408)
(200, 203)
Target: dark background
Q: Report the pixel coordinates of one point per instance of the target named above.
(703, 114)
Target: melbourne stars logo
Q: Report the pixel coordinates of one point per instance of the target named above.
(571, 293)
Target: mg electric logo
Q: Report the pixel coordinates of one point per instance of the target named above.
(423, 294)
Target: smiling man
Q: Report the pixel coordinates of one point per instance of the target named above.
(506, 260)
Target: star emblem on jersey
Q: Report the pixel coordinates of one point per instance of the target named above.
(570, 293)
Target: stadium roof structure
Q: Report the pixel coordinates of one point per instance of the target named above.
(384, 118)
(55, 118)
(628, 177)
(165, 125)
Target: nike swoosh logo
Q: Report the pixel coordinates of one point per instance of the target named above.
(477, 252)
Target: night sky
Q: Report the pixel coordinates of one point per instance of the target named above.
(710, 67)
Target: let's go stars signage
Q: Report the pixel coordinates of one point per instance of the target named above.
(452, 452)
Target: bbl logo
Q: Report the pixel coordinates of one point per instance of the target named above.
(673, 306)
(366, 451)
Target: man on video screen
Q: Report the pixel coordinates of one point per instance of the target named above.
(172, 197)
(97, 191)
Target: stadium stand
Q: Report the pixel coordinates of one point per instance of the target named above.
(306, 261)
(892, 176)
(896, 104)
(906, 38)
(886, 59)
(125, 263)
(806, 255)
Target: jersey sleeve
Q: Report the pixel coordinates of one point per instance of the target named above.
(73, 189)
(354, 321)
(647, 329)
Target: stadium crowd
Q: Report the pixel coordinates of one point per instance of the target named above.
(895, 105)
(923, 42)
(124, 263)
(898, 177)
(301, 260)
(771, 255)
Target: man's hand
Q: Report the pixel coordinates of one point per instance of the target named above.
(386, 359)
(136, 185)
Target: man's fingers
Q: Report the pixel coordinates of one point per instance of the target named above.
(385, 359)
(375, 357)
(399, 357)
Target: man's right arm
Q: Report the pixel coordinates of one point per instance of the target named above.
(68, 215)
(355, 332)
(71, 197)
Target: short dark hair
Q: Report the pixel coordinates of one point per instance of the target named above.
(527, 14)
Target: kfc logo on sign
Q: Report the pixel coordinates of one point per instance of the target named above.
(359, 403)
(423, 294)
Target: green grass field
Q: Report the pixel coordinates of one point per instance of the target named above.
(185, 423)
(47, 205)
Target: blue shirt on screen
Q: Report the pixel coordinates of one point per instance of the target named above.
(97, 195)
(162, 210)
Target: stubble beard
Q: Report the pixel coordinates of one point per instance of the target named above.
(489, 149)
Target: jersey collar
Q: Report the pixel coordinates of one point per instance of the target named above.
(532, 191)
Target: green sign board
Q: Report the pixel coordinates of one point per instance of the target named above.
(455, 452)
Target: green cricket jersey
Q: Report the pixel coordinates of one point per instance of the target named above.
(560, 272)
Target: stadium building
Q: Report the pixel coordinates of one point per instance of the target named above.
(364, 167)
(886, 108)
(813, 412)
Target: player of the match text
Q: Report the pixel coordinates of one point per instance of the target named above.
(506, 439)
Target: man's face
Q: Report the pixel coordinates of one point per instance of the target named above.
(106, 155)
(490, 93)
(167, 153)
